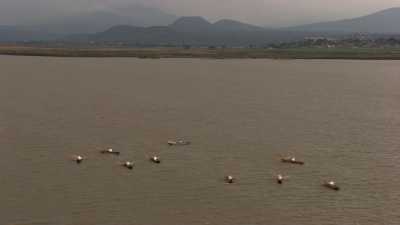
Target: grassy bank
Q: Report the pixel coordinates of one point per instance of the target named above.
(229, 53)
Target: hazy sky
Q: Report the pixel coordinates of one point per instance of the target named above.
(261, 12)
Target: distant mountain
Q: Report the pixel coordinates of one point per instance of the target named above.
(139, 25)
(20, 34)
(191, 24)
(80, 25)
(84, 23)
(162, 35)
(144, 16)
(196, 31)
(100, 20)
(232, 25)
(386, 21)
(196, 24)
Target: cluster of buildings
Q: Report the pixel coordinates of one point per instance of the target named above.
(354, 41)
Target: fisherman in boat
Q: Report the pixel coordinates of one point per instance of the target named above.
(292, 160)
(78, 159)
(280, 179)
(110, 151)
(128, 165)
(332, 185)
(155, 159)
(229, 179)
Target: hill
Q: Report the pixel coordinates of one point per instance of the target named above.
(80, 25)
(191, 24)
(196, 31)
(100, 20)
(198, 24)
(232, 25)
(138, 35)
(384, 22)
(21, 34)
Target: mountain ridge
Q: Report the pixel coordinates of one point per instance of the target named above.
(384, 21)
(195, 31)
(100, 20)
(198, 31)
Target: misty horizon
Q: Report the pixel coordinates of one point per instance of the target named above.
(271, 13)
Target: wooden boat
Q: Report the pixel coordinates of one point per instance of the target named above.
(155, 159)
(78, 159)
(331, 185)
(128, 165)
(229, 179)
(279, 179)
(292, 160)
(110, 151)
(178, 143)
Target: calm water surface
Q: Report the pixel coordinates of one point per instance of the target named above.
(341, 117)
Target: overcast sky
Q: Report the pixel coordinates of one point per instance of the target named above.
(261, 12)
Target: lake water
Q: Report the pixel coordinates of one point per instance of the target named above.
(341, 117)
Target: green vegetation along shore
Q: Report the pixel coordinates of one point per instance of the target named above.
(227, 53)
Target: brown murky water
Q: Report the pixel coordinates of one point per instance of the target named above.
(341, 117)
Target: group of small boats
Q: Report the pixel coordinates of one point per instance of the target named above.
(228, 179)
(128, 164)
(281, 178)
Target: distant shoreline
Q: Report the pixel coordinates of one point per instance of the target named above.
(227, 53)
